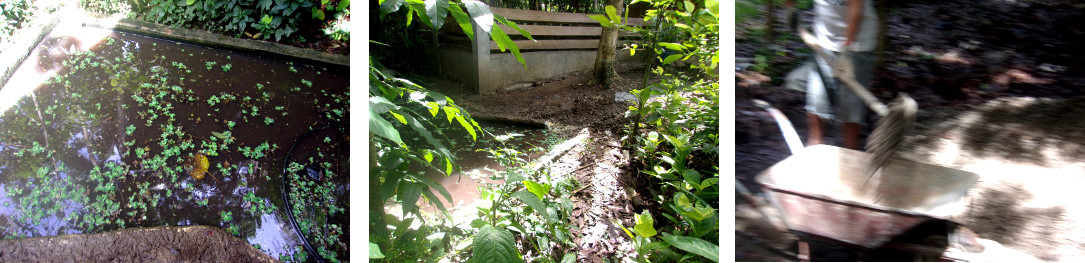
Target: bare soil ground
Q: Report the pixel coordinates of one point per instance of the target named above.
(999, 90)
(571, 105)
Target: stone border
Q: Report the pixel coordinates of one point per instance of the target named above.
(25, 41)
(214, 40)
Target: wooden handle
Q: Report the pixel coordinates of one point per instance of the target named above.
(848, 79)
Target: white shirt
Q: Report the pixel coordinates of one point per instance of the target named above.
(831, 25)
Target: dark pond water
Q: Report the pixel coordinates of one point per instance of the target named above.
(109, 140)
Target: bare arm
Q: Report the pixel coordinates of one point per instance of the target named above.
(855, 15)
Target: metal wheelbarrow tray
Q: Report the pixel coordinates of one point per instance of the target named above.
(820, 192)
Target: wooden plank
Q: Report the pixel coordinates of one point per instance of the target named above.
(552, 17)
(552, 44)
(525, 45)
(536, 30)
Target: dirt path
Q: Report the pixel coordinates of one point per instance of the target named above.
(157, 244)
(570, 106)
(998, 86)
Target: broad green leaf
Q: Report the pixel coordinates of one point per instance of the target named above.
(428, 155)
(391, 181)
(467, 126)
(603, 20)
(514, 26)
(389, 6)
(695, 246)
(398, 117)
(673, 46)
(410, 14)
(514, 176)
(477, 223)
(680, 199)
(713, 6)
(435, 186)
(533, 201)
(190, 2)
(503, 41)
(691, 176)
(408, 195)
(481, 14)
(689, 6)
(494, 245)
(318, 13)
(568, 258)
(113, 82)
(539, 190)
(437, 202)
(612, 14)
(682, 26)
(462, 19)
(655, 246)
(645, 225)
(436, 144)
(434, 108)
(343, 4)
(671, 58)
(437, 10)
(375, 251)
(382, 128)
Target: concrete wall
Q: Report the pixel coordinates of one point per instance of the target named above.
(504, 70)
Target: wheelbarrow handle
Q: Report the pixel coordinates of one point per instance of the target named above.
(790, 136)
(848, 78)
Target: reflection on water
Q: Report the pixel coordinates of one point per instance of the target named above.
(102, 144)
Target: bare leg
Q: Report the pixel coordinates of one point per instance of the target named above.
(851, 135)
(815, 127)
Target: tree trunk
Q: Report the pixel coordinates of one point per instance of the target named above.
(378, 229)
(604, 71)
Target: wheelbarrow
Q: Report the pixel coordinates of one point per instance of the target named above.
(819, 193)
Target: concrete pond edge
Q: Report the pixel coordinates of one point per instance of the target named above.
(24, 42)
(215, 40)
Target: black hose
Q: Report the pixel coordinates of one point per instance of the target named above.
(286, 191)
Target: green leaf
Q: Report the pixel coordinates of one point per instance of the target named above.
(462, 19)
(612, 14)
(375, 251)
(428, 155)
(408, 195)
(437, 202)
(673, 46)
(713, 6)
(318, 13)
(190, 2)
(481, 14)
(437, 186)
(603, 20)
(437, 10)
(494, 245)
(345, 4)
(113, 82)
(644, 226)
(568, 258)
(477, 223)
(434, 108)
(503, 41)
(533, 201)
(382, 128)
(514, 26)
(539, 190)
(467, 126)
(671, 58)
(695, 246)
(389, 6)
(691, 176)
(689, 6)
(219, 135)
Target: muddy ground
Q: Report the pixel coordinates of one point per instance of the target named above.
(999, 87)
(570, 105)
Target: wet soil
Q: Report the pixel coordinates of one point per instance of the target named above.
(998, 85)
(97, 119)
